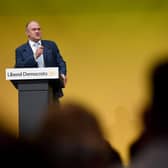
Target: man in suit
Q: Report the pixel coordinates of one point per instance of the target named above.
(41, 53)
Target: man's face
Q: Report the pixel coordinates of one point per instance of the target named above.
(33, 31)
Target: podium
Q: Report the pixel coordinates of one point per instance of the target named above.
(34, 95)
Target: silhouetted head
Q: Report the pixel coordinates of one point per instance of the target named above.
(72, 133)
(156, 116)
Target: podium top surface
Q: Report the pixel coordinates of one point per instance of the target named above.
(31, 73)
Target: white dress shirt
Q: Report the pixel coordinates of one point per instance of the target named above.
(40, 59)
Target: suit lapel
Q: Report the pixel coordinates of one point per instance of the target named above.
(28, 50)
(28, 55)
(46, 53)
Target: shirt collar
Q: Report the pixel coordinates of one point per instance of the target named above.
(32, 42)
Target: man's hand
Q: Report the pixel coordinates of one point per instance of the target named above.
(63, 79)
(39, 51)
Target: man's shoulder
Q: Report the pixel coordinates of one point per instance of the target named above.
(21, 46)
(50, 42)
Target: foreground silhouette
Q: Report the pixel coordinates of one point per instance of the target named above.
(151, 149)
(72, 136)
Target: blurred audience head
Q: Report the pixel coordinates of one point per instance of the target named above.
(16, 151)
(73, 133)
(156, 117)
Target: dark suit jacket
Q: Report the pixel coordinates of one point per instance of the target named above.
(52, 58)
